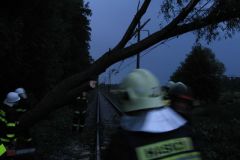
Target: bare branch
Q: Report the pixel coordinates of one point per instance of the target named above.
(141, 27)
(157, 37)
(182, 15)
(129, 33)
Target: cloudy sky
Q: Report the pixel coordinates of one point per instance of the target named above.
(110, 20)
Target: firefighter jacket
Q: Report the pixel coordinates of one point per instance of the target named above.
(158, 134)
(3, 123)
(9, 134)
(21, 108)
(80, 104)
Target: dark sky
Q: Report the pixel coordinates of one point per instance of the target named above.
(111, 18)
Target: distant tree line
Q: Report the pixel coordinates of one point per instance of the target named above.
(41, 43)
(231, 84)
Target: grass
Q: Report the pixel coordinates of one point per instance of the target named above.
(217, 129)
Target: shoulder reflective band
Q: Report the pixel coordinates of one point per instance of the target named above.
(2, 149)
(3, 120)
(29, 139)
(77, 112)
(164, 148)
(187, 156)
(11, 124)
(2, 113)
(5, 140)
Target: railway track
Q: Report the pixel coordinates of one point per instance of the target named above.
(55, 140)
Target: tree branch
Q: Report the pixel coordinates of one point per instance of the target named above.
(129, 33)
(181, 16)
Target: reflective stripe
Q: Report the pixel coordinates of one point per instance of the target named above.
(164, 148)
(10, 135)
(21, 110)
(5, 140)
(3, 120)
(2, 149)
(77, 112)
(2, 113)
(11, 124)
(188, 156)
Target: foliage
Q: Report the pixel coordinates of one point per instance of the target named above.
(42, 42)
(216, 9)
(202, 72)
(231, 83)
(218, 140)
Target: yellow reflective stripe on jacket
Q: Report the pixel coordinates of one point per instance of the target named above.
(2, 113)
(21, 110)
(188, 156)
(3, 120)
(11, 124)
(164, 148)
(10, 135)
(2, 149)
(5, 140)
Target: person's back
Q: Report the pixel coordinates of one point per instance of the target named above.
(149, 129)
(23, 105)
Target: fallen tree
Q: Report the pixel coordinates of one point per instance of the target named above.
(204, 17)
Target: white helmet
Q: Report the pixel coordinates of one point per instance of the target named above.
(170, 84)
(11, 99)
(21, 92)
(140, 90)
(180, 90)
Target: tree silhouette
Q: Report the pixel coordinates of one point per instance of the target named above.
(41, 43)
(202, 72)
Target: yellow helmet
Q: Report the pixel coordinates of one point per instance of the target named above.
(139, 90)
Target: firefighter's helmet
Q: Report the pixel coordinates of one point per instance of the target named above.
(11, 99)
(180, 90)
(21, 92)
(140, 90)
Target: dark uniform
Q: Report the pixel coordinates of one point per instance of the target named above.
(80, 110)
(9, 138)
(24, 139)
(174, 144)
(150, 130)
(2, 133)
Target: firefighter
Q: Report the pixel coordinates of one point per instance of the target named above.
(80, 110)
(149, 129)
(9, 138)
(165, 91)
(23, 105)
(24, 139)
(181, 99)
